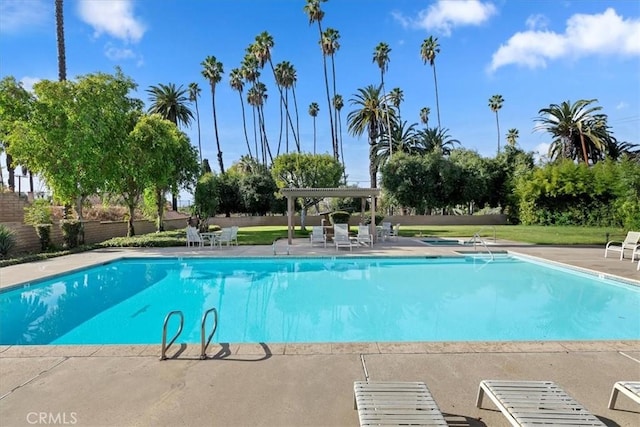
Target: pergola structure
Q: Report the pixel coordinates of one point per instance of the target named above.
(319, 193)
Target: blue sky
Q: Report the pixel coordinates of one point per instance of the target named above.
(533, 53)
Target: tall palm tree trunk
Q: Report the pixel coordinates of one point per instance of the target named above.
(326, 85)
(286, 97)
(255, 133)
(344, 168)
(280, 134)
(266, 142)
(314, 135)
(435, 80)
(295, 103)
(62, 58)
(373, 169)
(498, 127)
(215, 127)
(282, 99)
(384, 96)
(335, 113)
(199, 135)
(244, 124)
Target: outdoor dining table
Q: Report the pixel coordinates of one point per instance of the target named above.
(211, 236)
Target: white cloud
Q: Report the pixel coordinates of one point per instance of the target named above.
(445, 15)
(537, 22)
(113, 17)
(600, 34)
(28, 82)
(117, 54)
(541, 152)
(622, 105)
(16, 16)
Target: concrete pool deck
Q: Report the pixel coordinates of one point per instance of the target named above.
(297, 384)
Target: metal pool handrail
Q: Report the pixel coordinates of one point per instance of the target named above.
(165, 346)
(203, 347)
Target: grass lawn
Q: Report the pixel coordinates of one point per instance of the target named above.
(541, 235)
(551, 235)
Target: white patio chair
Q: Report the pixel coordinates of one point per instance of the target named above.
(317, 235)
(341, 236)
(394, 232)
(630, 242)
(226, 236)
(364, 236)
(193, 237)
(234, 235)
(386, 230)
(631, 389)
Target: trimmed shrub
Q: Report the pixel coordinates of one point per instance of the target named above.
(70, 233)
(339, 217)
(367, 219)
(7, 240)
(44, 234)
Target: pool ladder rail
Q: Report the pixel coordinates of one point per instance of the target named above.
(203, 343)
(476, 239)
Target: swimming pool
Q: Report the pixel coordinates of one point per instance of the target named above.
(350, 299)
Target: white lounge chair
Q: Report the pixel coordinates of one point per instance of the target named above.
(386, 230)
(234, 235)
(631, 389)
(193, 237)
(364, 236)
(394, 232)
(396, 403)
(527, 403)
(317, 235)
(341, 236)
(225, 236)
(630, 242)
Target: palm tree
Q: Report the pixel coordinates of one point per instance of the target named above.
(236, 82)
(404, 138)
(437, 140)
(261, 48)
(578, 132)
(397, 96)
(381, 57)
(512, 137)
(170, 102)
(424, 115)
(313, 112)
(315, 13)
(428, 51)
(213, 72)
(256, 97)
(194, 94)
(330, 45)
(251, 74)
(369, 116)
(286, 74)
(338, 103)
(495, 103)
(62, 59)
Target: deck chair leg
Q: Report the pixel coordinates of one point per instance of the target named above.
(614, 397)
(480, 397)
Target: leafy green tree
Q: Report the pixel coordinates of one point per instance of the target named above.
(230, 199)
(168, 155)
(476, 175)
(369, 116)
(15, 106)
(428, 51)
(82, 123)
(503, 171)
(213, 71)
(495, 104)
(205, 197)
(258, 192)
(579, 131)
(301, 170)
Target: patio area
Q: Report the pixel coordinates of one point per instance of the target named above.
(298, 384)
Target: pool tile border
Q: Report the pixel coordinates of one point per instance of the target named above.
(221, 351)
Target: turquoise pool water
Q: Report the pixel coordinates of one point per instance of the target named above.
(322, 300)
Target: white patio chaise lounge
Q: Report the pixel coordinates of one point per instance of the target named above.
(396, 403)
(317, 235)
(532, 403)
(631, 389)
(630, 242)
(341, 236)
(364, 236)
